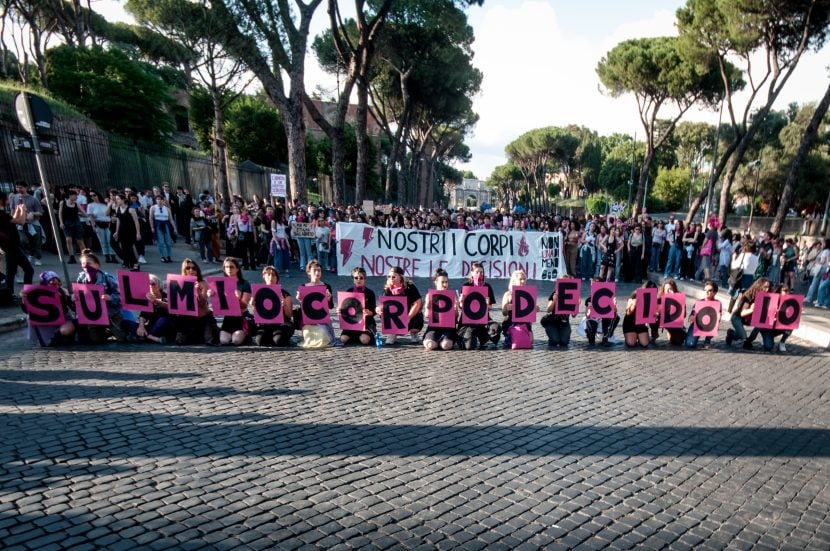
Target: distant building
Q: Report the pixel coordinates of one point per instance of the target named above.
(470, 194)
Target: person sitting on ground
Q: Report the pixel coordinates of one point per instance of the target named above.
(53, 335)
(439, 337)
(397, 285)
(369, 307)
(276, 334)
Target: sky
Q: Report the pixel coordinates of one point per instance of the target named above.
(539, 59)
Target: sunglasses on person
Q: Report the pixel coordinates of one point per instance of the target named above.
(358, 277)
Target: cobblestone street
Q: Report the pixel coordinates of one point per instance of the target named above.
(160, 447)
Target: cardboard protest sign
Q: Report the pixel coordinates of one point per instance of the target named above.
(351, 306)
(790, 308)
(90, 304)
(603, 299)
(442, 306)
(673, 310)
(394, 315)
(524, 304)
(267, 301)
(707, 318)
(764, 310)
(223, 299)
(568, 291)
(474, 306)
(43, 304)
(314, 305)
(182, 295)
(302, 229)
(646, 311)
(134, 287)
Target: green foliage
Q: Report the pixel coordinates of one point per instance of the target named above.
(201, 116)
(254, 131)
(597, 204)
(116, 92)
(671, 187)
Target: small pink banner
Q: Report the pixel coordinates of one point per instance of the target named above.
(764, 309)
(90, 304)
(646, 311)
(182, 298)
(134, 287)
(474, 306)
(673, 310)
(568, 292)
(223, 300)
(314, 305)
(442, 308)
(524, 304)
(603, 299)
(707, 318)
(267, 300)
(350, 306)
(43, 304)
(394, 315)
(790, 308)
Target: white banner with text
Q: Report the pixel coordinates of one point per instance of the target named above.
(419, 253)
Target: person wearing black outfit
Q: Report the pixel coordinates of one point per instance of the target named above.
(10, 242)
(183, 212)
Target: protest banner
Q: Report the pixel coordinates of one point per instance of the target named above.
(419, 253)
(304, 229)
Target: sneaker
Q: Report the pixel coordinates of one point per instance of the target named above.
(782, 347)
(730, 336)
(415, 338)
(392, 339)
(142, 260)
(747, 345)
(615, 340)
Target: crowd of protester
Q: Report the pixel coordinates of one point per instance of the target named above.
(255, 233)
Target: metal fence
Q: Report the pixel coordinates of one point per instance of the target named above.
(88, 156)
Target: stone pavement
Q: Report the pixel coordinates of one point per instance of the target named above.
(151, 447)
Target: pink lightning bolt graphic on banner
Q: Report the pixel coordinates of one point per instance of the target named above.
(346, 248)
(524, 248)
(368, 233)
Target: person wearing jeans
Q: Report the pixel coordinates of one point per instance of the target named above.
(160, 224)
(820, 286)
(742, 314)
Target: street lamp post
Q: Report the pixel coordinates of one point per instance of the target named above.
(756, 164)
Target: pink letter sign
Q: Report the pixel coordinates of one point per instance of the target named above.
(603, 299)
(181, 295)
(394, 315)
(43, 304)
(474, 305)
(134, 287)
(568, 291)
(441, 309)
(524, 304)
(763, 311)
(789, 312)
(646, 311)
(90, 305)
(223, 300)
(673, 310)
(314, 305)
(267, 301)
(350, 306)
(707, 317)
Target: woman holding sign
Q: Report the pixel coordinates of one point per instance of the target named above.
(480, 334)
(276, 334)
(439, 337)
(232, 330)
(156, 326)
(635, 334)
(91, 274)
(200, 328)
(51, 334)
(316, 305)
(519, 334)
(396, 285)
(369, 305)
(742, 314)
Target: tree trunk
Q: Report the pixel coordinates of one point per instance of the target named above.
(362, 166)
(641, 183)
(803, 150)
(221, 183)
